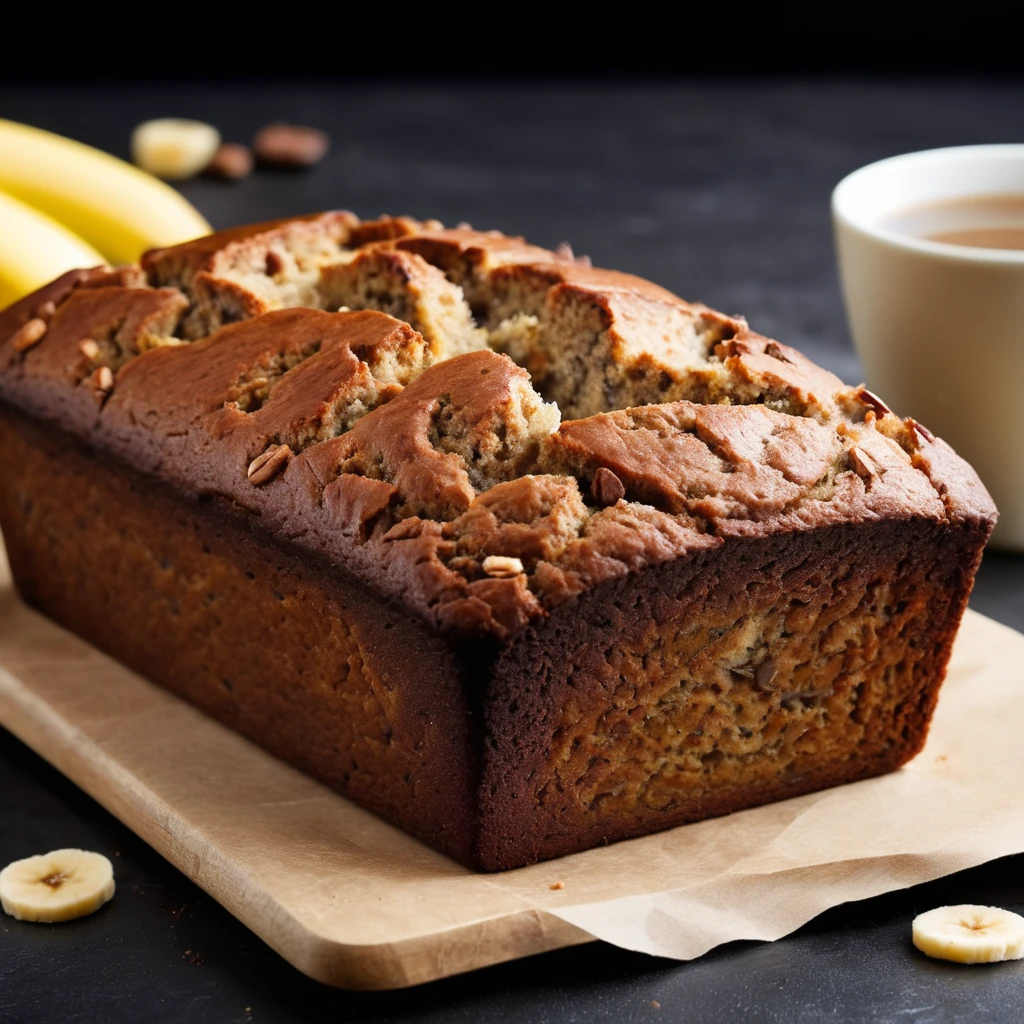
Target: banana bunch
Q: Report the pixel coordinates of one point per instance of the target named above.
(65, 205)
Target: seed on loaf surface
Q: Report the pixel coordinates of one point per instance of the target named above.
(265, 467)
(501, 567)
(920, 432)
(89, 349)
(102, 383)
(870, 399)
(28, 335)
(863, 464)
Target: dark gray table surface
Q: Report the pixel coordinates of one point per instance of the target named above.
(717, 189)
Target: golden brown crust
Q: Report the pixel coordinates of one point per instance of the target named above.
(389, 470)
(42, 303)
(244, 272)
(218, 250)
(478, 251)
(384, 229)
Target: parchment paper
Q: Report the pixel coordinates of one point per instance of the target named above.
(354, 902)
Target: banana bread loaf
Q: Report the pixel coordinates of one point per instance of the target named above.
(522, 555)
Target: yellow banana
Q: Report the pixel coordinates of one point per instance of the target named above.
(117, 208)
(34, 249)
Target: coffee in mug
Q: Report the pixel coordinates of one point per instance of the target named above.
(981, 221)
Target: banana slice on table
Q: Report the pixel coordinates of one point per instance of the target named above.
(56, 886)
(174, 148)
(970, 935)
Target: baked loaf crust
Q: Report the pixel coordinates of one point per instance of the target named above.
(523, 555)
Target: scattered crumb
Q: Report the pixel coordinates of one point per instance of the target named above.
(655, 1005)
(941, 757)
(557, 885)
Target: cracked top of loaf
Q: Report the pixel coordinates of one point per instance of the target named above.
(477, 427)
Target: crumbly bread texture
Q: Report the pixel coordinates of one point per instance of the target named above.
(538, 556)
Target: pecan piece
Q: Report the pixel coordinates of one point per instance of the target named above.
(863, 464)
(870, 399)
(919, 432)
(231, 161)
(290, 145)
(774, 349)
(606, 488)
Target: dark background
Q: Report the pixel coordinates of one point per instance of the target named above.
(715, 185)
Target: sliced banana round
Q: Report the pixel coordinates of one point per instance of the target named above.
(56, 886)
(970, 935)
(174, 148)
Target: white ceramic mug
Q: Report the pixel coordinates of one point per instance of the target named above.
(940, 327)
